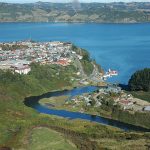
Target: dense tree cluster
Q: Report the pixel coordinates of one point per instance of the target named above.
(140, 80)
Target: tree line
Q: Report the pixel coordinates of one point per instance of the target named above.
(140, 80)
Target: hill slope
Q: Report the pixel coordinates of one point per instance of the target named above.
(68, 12)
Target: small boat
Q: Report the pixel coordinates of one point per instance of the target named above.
(110, 73)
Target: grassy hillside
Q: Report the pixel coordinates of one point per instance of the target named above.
(70, 12)
(14, 116)
(44, 138)
(17, 122)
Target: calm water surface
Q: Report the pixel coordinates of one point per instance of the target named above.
(124, 47)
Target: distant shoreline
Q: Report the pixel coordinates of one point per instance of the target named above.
(75, 12)
(123, 23)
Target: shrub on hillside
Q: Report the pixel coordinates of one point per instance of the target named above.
(140, 80)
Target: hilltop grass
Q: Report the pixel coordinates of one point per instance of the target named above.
(45, 138)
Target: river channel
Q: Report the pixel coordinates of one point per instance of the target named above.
(33, 102)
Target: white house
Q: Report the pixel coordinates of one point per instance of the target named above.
(22, 69)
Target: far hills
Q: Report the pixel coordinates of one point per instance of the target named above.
(68, 12)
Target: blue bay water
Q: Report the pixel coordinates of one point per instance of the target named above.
(123, 47)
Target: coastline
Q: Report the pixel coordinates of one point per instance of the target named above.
(74, 22)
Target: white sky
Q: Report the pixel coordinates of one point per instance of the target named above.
(106, 1)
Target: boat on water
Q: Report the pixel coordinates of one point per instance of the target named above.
(110, 73)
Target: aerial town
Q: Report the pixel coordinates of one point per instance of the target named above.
(17, 56)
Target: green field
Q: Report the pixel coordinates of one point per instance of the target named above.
(47, 139)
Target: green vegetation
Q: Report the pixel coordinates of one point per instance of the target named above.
(18, 121)
(87, 66)
(140, 80)
(141, 95)
(86, 62)
(15, 117)
(41, 79)
(137, 118)
(44, 138)
(19, 125)
(67, 12)
(139, 84)
(129, 145)
(49, 75)
(117, 113)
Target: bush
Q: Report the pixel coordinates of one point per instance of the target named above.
(140, 80)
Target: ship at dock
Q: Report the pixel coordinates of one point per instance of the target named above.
(110, 73)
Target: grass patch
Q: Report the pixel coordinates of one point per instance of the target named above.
(45, 139)
(54, 101)
(119, 144)
(141, 95)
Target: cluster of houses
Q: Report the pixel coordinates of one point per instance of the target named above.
(128, 102)
(124, 100)
(18, 66)
(22, 54)
(97, 97)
